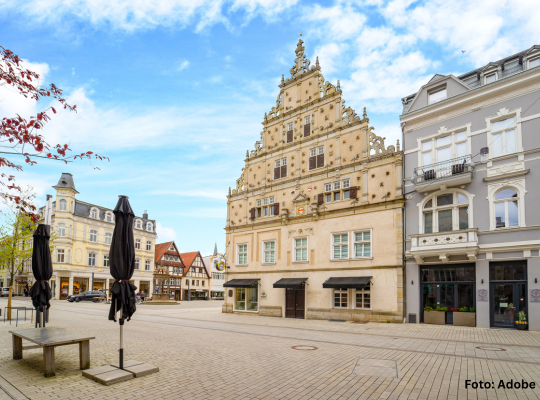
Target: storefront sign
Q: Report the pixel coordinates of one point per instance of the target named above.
(535, 295)
(20, 280)
(263, 294)
(482, 295)
(198, 290)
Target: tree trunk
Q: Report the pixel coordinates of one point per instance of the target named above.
(9, 301)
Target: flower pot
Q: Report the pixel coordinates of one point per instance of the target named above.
(464, 318)
(435, 317)
(522, 327)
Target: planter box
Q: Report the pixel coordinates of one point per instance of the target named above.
(435, 317)
(464, 319)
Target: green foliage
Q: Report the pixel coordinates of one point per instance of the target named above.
(428, 308)
(442, 309)
(521, 315)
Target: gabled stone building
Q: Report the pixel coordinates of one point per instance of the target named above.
(314, 224)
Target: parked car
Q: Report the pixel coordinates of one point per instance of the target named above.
(94, 296)
(5, 292)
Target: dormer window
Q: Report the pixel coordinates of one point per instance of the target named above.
(490, 78)
(138, 224)
(437, 95)
(150, 227)
(94, 214)
(109, 217)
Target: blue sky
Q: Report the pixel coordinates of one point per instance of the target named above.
(174, 91)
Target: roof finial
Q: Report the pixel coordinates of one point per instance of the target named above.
(317, 62)
(365, 113)
(397, 146)
(282, 78)
(338, 87)
(300, 33)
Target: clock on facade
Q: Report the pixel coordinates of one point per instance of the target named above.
(220, 266)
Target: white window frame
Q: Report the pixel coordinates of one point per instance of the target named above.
(108, 238)
(327, 187)
(147, 265)
(62, 254)
(490, 74)
(313, 152)
(320, 150)
(454, 142)
(454, 207)
(61, 230)
(106, 260)
(137, 264)
(503, 114)
(137, 224)
(94, 211)
(437, 90)
(150, 227)
(137, 243)
(341, 291)
(92, 258)
(148, 245)
(307, 120)
(60, 203)
(238, 252)
(94, 233)
(290, 127)
(362, 292)
(347, 184)
(515, 184)
(341, 244)
(295, 260)
(534, 58)
(354, 242)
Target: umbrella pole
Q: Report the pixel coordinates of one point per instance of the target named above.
(121, 350)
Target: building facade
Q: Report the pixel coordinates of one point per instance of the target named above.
(472, 154)
(167, 256)
(314, 224)
(217, 263)
(83, 238)
(197, 278)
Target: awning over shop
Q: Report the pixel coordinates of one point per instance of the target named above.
(289, 283)
(241, 283)
(350, 282)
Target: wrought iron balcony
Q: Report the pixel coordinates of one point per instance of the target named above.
(456, 171)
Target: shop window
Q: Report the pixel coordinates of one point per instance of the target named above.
(93, 236)
(362, 244)
(341, 298)
(446, 212)
(106, 261)
(60, 256)
(363, 298)
(301, 249)
(270, 252)
(242, 254)
(63, 205)
(506, 208)
(247, 299)
(508, 271)
(340, 246)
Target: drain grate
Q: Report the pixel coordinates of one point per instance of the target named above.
(304, 347)
(376, 367)
(490, 348)
(360, 322)
(337, 320)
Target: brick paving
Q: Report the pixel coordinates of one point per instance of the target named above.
(204, 354)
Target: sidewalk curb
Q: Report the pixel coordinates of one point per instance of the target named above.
(11, 390)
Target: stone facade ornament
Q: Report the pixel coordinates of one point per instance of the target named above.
(301, 65)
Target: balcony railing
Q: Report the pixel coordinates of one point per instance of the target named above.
(442, 170)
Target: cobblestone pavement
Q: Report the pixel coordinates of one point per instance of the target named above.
(204, 354)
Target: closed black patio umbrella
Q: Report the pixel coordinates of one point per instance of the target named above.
(122, 265)
(42, 269)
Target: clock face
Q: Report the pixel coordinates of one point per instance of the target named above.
(220, 266)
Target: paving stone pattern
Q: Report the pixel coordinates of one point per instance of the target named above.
(204, 354)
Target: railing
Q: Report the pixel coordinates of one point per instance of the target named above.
(444, 169)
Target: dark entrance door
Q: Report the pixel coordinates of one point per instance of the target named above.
(294, 303)
(508, 283)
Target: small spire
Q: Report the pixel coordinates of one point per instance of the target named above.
(247, 153)
(282, 78)
(365, 113)
(338, 87)
(317, 62)
(397, 146)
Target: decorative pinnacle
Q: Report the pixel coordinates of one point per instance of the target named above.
(282, 78)
(397, 146)
(365, 113)
(338, 87)
(247, 153)
(317, 62)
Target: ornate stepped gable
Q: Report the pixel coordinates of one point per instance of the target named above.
(325, 91)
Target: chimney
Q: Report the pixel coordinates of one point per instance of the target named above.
(145, 215)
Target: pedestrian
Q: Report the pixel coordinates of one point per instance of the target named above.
(25, 292)
(138, 296)
(142, 296)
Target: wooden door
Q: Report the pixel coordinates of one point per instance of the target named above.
(290, 303)
(300, 303)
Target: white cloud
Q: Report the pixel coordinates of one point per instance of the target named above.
(132, 15)
(183, 65)
(164, 234)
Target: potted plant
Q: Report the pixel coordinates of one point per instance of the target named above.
(521, 324)
(464, 316)
(435, 316)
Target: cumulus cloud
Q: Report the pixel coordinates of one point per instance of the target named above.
(164, 234)
(183, 65)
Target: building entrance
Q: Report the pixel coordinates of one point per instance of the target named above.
(508, 281)
(295, 303)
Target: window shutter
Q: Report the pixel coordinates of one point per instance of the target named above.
(283, 171)
(320, 160)
(312, 162)
(289, 136)
(354, 192)
(307, 129)
(276, 208)
(320, 199)
(276, 172)
(252, 211)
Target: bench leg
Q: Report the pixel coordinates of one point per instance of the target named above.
(48, 357)
(84, 354)
(17, 347)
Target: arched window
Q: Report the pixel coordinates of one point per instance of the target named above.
(446, 212)
(138, 224)
(94, 213)
(63, 205)
(109, 217)
(506, 208)
(150, 227)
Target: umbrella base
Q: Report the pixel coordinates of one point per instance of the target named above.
(111, 374)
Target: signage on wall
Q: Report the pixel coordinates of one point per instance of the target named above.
(263, 294)
(535, 295)
(309, 188)
(300, 210)
(482, 295)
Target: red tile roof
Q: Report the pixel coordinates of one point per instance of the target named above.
(188, 259)
(161, 248)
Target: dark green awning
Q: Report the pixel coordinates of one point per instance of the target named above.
(350, 282)
(289, 283)
(240, 283)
